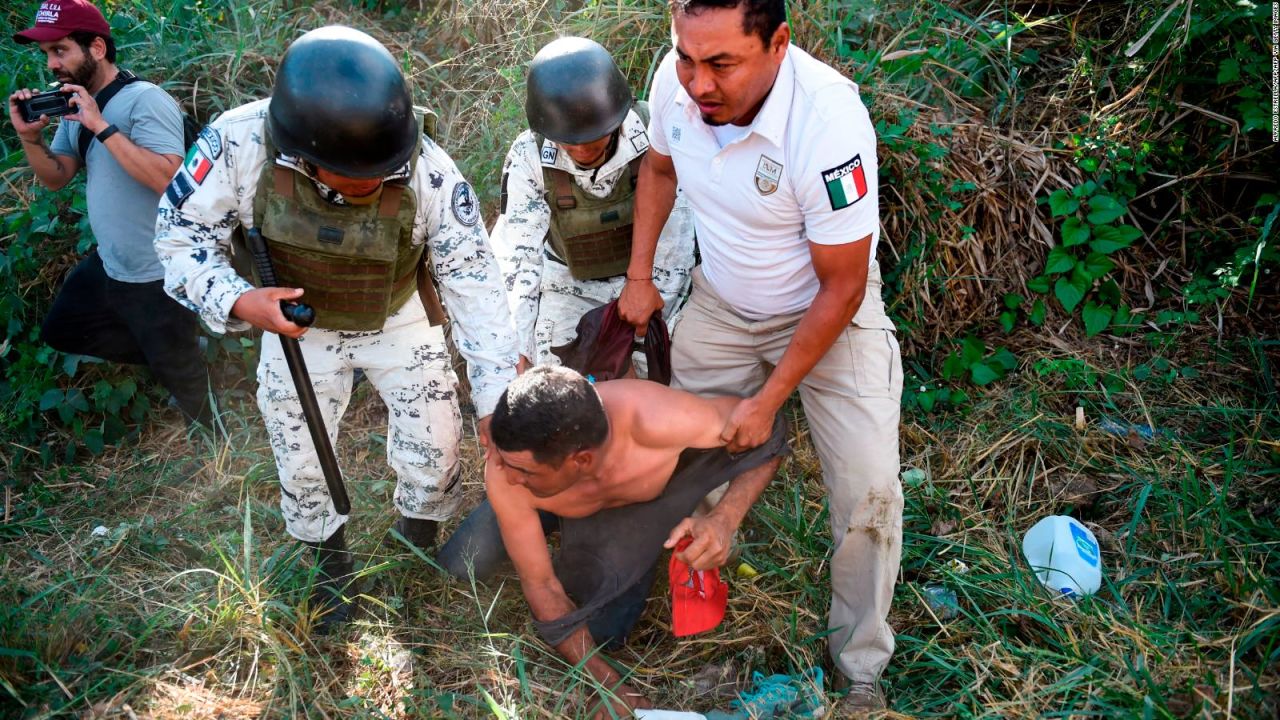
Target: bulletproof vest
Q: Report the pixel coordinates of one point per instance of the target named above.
(592, 235)
(357, 264)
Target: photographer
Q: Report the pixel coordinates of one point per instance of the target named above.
(113, 303)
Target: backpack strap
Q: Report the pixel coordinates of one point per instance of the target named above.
(84, 139)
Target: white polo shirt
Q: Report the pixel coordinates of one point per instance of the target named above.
(803, 171)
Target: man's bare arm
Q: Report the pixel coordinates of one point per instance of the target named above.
(842, 278)
(713, 533)
(527, 546)
(655, 196)
(669, 418)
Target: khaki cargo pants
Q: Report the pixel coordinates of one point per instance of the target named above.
(851, 401)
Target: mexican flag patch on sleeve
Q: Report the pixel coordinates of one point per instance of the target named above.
(197, 164)
(846, 184)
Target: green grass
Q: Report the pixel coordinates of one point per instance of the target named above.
(191, 602)
(194, 599)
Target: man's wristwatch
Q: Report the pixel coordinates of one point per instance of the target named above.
(107, 132)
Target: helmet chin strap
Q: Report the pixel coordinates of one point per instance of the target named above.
(604, 156)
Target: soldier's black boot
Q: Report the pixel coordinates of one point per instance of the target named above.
(418, 531)
(334, 591)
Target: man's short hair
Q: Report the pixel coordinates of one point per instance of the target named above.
(550, 411)
(760, 17)
(84, 39)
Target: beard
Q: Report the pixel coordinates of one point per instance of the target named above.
(82, 75)
(713, 123)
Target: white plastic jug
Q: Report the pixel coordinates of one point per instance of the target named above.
(1064, 555)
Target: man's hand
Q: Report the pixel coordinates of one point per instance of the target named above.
(27, 132)
(483, 434)
(260, 308)
(87, 112)
(523, 364)
(712, 540)
(625, 701)
(749, 425)
(639, 300)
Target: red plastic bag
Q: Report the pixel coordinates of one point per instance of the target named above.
(698, 597)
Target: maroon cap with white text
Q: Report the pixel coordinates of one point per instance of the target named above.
(57, 19)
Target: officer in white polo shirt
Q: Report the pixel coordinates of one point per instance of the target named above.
(777, 156)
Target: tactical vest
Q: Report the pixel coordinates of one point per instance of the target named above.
(357, 264)
(592, 235)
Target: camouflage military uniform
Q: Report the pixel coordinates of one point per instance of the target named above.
(545, 299)
(406, 360)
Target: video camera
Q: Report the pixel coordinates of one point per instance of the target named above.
(53, 103)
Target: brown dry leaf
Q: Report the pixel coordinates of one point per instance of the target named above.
(943, 527)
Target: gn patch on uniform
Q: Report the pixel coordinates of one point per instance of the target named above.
(846, 184)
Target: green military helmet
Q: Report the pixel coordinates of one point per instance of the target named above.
(576, 93)
(341, 103)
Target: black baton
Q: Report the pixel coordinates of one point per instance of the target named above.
(302, 314)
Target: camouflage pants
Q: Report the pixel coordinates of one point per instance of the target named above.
(408, 363)
(564, 299)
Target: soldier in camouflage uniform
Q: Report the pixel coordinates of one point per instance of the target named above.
(568, 185)
(353, 200)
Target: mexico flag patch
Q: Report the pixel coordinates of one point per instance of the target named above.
(846, 184)
(197, 164)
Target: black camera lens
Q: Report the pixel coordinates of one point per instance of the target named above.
(52, 104)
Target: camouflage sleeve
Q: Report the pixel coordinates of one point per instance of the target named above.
(518, 237)
(208, 197)
(470, 281)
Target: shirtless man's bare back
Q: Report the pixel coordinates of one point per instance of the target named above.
(611, 461)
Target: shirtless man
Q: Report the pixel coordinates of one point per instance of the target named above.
(618, 467)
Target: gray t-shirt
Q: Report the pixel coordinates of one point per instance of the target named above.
(122, 211)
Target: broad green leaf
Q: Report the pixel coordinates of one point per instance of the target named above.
(71, 363)
(51, 399)
(972, 350)
(1061, 203)
(1039, 284)
(1096, 317)
(983, 374)
(1228, 71)
(953, 367)
(94, 441)
(1013, 301)
(77, 400)
(1068, 294)
(1109, 292)
(1074, 232)
(1104, 209)
(1007, 320)
(1110, 238)
(926, 401)
(1036, 316)
(1097, 265)
(1005, 359)
(1059, 261)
